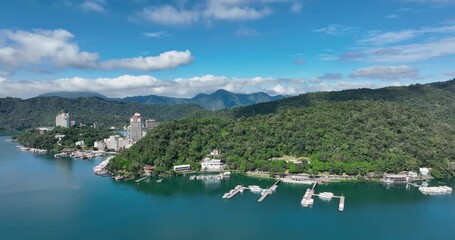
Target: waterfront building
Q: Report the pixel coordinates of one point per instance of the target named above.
(136, 127)
(395, 178)
(181, 168)
(212, 165)
(80, 143)
(424, 171)
(100, 145)
(150, 123)
(116, 142)
(62, 120)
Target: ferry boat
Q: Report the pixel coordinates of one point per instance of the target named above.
(326, 195)
(255, 189)
(436, 190)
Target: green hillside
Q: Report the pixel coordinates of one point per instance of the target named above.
(21, 114)
(354, 132)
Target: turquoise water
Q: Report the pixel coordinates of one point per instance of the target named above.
(46, 198)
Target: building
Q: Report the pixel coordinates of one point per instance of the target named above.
(80, 143)
(395, 178)
(215, 152)
(424, 171)
(212, 165)
(116, 142)
(62, 120)
(136, 127)
(182, 168)
(150, 123)
(100, 145)
(43, 130)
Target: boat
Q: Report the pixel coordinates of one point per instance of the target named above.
(435, 190)
(192, 177)
(159, 180)
(326, 195)
(255, 188)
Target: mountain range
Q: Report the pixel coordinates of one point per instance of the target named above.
(220, 99)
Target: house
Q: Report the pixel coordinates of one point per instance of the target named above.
(215, 152)
(395, 178)
(182, 168)
(424, 171)
(212, 165)
(148, 170)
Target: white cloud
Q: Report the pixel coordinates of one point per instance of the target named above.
(234, 11)
(335, 30)
(168, 15)
(160, 34)
(391, 16)
(413, 52)
(188, 13)
(432, 1)
(299, 61)
(52, 48)
(384, 38)
(386, 72)
(21, 47)
(93, 5)
(166, 60)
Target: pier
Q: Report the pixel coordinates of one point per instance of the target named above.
(307, 199)
(233, 192)
(139, 180)
(269, 191)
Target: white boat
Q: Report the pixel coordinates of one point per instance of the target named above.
(255, 189)
(192, 177)
(159, 180)
(436, 190)
(326, 195)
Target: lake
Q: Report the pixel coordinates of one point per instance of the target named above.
(46, 198)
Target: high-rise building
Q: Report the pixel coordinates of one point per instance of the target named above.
(150, 123)
(62, 120)
(136, 127)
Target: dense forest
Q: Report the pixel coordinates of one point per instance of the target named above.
(18, 114)
(353, 132)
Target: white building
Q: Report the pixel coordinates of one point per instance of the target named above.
(63, 120)
(215, 152)
(181, 168)
(150, 123)
(212, 165)
(136, 127)
(80, 143)
(116, 142)
(101, 145)
(424, 171)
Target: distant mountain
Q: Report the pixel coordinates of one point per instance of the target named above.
(73, 95)
(220, 99)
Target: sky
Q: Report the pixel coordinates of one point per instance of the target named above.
(180, 48)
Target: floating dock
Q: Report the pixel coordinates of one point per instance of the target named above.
(233, 192)
(269, 191)
(139, 180)
(307, 199)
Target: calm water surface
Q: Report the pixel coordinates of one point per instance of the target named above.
(46, 198)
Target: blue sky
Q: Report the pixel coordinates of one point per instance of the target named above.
(180, 48)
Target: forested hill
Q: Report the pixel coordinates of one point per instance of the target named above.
(354, 131)
(20, 114)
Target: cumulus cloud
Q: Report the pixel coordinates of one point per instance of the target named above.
(22, 49)
(169, 15)
(211, 10)
(166, 60)
(386, 72)
(129, 85)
